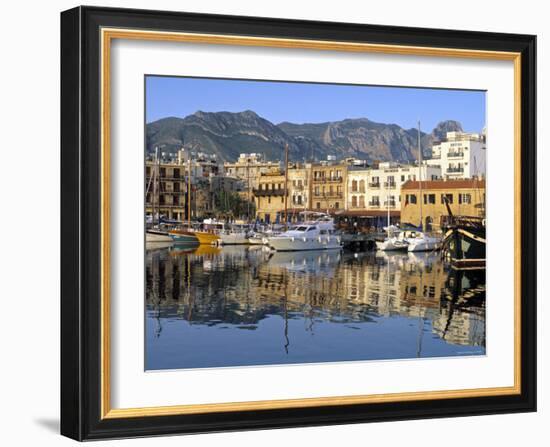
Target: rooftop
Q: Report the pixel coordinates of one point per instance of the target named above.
(445, 184)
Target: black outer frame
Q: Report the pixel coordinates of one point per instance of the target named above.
(81, 219)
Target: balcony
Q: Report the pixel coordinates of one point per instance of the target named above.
(455, 154)
(374, 204)
(374, 185)
(328, 179)
(390, 185)
(389, 204)
(268, 192)
(455, 170)
(329, 195)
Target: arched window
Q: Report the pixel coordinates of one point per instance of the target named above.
(354, 185)
(361, 201)
(354, 201)
(362, 186)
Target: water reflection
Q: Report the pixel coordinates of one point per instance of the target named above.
(232, 306)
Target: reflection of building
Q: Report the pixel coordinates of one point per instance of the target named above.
(328, 186)
(460, 155)
(461, 328)
(466, 198)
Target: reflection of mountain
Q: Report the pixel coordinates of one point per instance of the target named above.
(240, 287)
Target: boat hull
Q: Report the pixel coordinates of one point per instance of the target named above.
(427, 244)
(153, 236)
(464, 248)
(234, 239)
(283, 243)
(391, 245)
(206, 238)
(183, 237)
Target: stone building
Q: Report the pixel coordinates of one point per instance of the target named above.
(466, 198)
(328, 186)
(269, 196)
(460, 155)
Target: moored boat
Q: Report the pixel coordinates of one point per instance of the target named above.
(317, 234)
(464, 243)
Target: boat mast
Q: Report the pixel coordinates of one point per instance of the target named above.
(420, 176)
(189, 191)
(286, 183)
(156, 193)
(388, 204)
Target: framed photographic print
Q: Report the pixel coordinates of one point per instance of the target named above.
(277, 223)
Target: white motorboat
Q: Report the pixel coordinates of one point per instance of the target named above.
(419, 241)
(235, 234)
(317, 234)
(394, 241)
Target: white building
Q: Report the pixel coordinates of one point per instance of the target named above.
(460, 155)
(380, 188)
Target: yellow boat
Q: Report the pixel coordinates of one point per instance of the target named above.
(206, 238)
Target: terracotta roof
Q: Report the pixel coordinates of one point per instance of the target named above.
(445, 184)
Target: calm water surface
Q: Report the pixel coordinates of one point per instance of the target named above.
(234, 306)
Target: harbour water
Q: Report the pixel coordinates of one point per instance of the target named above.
(245, 305)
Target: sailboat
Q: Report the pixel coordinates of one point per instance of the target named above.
(155, 233)
(394, 240)
(417, 240)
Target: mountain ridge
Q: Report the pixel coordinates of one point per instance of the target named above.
(227, 134)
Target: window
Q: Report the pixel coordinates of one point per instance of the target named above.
(402, 178)
(175, 200)
(176, 173)
(429, 199)
(410, 198)
(318, 205)
(362, 186)
(465, 198)
(163, 172)
(361, 202)
(148, 171)
(448, 196)
(354, 186)
(354, 201)
(337, 205)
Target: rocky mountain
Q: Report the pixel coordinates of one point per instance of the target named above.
(227, 134)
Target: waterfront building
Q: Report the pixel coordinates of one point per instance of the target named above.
(328, 186)
(379, 188)
(169, 201)
(269, 196)
(466, 197)
(249, 168)
(298, 188)
(460, 155)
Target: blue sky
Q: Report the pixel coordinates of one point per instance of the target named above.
(314, 103)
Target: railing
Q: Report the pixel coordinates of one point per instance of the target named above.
(330, 195)
(455, 169)
(328, 179)
(390, 185)
(268, 192)
(374, 185)
(455, 154)
(389, 204)
(374, 204)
